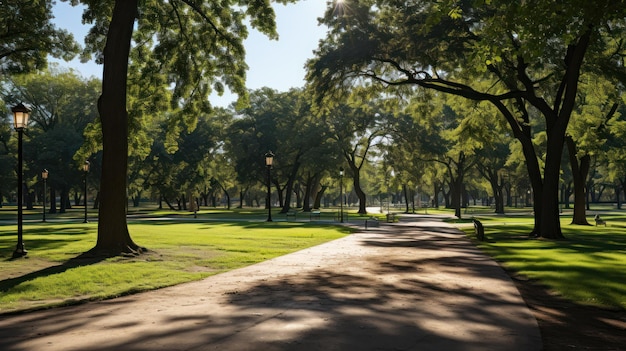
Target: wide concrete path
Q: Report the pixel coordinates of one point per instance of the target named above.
(413, 285)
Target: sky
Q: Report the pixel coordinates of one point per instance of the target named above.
(278, 64)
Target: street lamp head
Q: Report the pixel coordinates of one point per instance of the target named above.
(86, 166)
(44, 174)
(341, 172)
(269, 158)
(20, 116)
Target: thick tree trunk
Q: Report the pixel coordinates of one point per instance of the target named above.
(289, 188)
(498, 195)
(579, 173)
(550, 224)
(113, 235)
(308, 189)
(297, 190)
(318, 197)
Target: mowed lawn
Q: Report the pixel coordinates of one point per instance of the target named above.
(588, 266)
(179, 251)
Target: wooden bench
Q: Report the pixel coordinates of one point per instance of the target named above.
(314, 214)
(479, 230)
(372, 222)
(293, 214)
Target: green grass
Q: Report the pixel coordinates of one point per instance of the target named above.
(179, 251)
(587, 267)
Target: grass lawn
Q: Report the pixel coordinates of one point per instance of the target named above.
(587, 267)
(180, 251)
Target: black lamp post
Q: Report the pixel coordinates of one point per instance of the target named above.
(341, 194)
(20, 121)
(86, 170)
(269, 160)
(390, 193)
(44, 176)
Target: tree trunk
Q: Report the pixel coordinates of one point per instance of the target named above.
(289, 187)
(498, 195)
(549, 219)
(168, 203)
(298, 191)
(405, 191)
(113, 235)
(53, 200)
(318, 197)
(356, 179)
(308, 189)
(227, 196)
(63, 200)
(96, 201)
(579, 173)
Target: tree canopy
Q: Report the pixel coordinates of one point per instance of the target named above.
(527, 66)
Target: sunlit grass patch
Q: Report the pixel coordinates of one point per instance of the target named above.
(52, 274)
(588, 266)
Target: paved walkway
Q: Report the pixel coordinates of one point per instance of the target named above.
(414, 285)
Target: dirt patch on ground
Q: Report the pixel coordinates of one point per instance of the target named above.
(569, 326)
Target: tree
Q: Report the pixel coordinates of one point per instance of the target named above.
(532, 62)
(63, 105)
(28, 37)
(587, 134)
(356, 130)
(195, 47)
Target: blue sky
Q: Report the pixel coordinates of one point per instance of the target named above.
(275, 64)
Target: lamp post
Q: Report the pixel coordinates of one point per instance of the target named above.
(341, 194)
(44, 176)
(20, 121)
(269, 160)
(86, 170)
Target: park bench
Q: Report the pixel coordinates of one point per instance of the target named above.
(371, 222)
(479, 230)
(315, 214)
(391, 217)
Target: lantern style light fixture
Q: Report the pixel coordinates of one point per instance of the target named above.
(20, 121)
(85, 170)
(21, 114)
(269, 161)
(44, 177)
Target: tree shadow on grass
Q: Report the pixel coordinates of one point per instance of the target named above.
(388, 297)
(80, 260)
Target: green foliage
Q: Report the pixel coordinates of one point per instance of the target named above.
(63, 105)
(28, 37)
(525, 65)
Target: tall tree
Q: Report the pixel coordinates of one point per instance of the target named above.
(533, 62)
(195, 45)
(356, 129)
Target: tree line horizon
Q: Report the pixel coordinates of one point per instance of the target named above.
(408, 83)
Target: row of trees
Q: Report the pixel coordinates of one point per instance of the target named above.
(524, 65)
(450, 152)
(485, 70)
